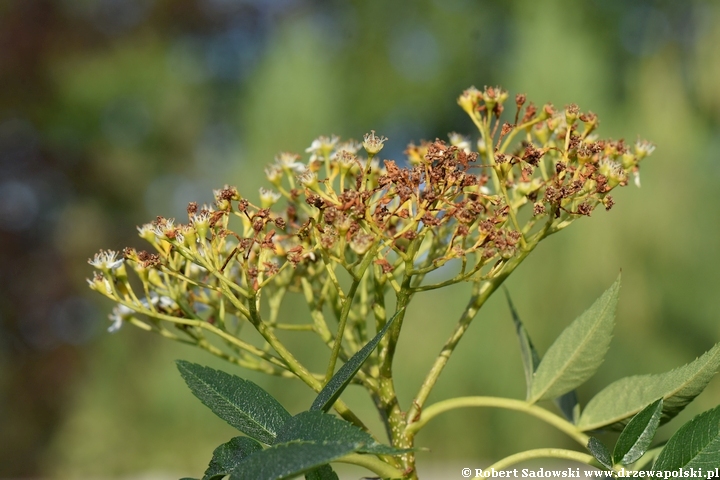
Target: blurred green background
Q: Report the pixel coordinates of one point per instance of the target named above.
(115, 111)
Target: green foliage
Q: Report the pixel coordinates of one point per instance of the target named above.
(567, 402)
(600, 452)
(229, 455)
(695, 445)
(241, 403)
(322, 473)
(289, 460)
(341, 379)
(578, 351)
(530, 356)
(322, 428)
(638, 434)
(304, 443)
(624, 398)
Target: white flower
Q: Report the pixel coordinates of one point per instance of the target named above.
(308, 178)
(289, 161)
(119, 313)
(122, 312)
(321, 146)
(643, 148)
(147, 232)
(460, 141)
(372, 143)
(202, 217)
(274, 173)
(350, 146)
(99, 283)
(268, 197)
(106, 260)
(163, 227)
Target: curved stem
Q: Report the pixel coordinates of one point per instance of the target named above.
(498, 402)
(542, 453)
(373, 463)
(480, 294)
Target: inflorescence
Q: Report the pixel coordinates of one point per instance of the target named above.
(386, 224)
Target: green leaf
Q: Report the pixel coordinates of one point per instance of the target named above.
(239, 402)
(568, 402)
(530, 356)
(600, 452)
(323, 473)
(317, 426)
(569, 406)
(624, 398)
(695, 445)
(229, 455)
(289, 460)
(635, 439)
(327, 396)
(578, 351)
(308, 441)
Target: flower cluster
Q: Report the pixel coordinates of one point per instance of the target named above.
(386, 224)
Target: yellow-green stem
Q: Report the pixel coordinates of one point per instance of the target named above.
(497, 402)
(542, 453)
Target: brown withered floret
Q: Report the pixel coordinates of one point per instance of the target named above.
(330, 215)
(268, 242)
(584, 209)
(294, 255)
(271, 268)
(384, 265)
(532, 155)
(609, 202)
(315, 201)
(530, 112)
